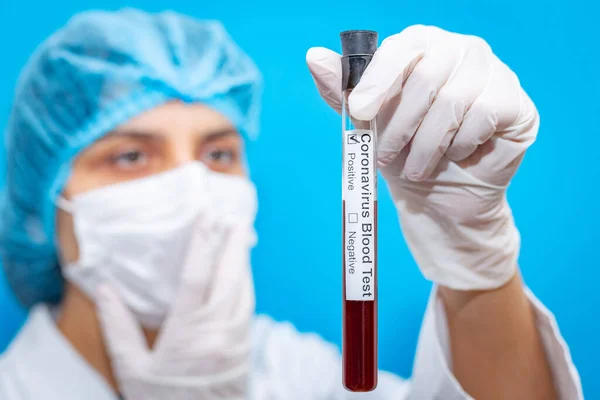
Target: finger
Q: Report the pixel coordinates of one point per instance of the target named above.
(434, 135)
(497, 160)
(123, 335)
(395, 169)
(326, 69)
(478, 126)
(400, 117)
(391, 65)
(494, 110)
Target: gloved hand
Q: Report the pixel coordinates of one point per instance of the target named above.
(203, 348)
(454, 124)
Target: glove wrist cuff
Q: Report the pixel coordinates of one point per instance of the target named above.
(464, 257)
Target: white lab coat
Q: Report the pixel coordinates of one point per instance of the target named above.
(41, 365)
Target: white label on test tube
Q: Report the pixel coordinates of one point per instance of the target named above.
(359, 193)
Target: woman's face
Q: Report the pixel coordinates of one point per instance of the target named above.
(160, 139)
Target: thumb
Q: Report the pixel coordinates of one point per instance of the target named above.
(326, 68)
(122, 334)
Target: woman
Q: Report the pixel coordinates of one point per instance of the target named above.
(127, 219)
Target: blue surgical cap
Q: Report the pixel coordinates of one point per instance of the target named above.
(100, 70)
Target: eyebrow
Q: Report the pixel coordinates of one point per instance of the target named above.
(136, 134)
(219, 134)
(157, 136)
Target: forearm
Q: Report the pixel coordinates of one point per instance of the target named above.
(496, 350)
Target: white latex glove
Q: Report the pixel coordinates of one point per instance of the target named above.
(454, 124)
(203, 348)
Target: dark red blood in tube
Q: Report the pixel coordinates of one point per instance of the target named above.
(359, 347)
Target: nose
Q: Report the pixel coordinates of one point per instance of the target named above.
(183, 148)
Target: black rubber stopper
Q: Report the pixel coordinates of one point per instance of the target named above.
(358, 48)
(360, 42)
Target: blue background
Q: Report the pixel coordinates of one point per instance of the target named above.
(553, 47)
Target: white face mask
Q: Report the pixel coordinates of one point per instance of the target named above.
(135, 234)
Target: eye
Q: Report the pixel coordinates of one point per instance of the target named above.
(220, 156)
(130, 159)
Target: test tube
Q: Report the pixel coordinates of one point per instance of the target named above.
(359, 208)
